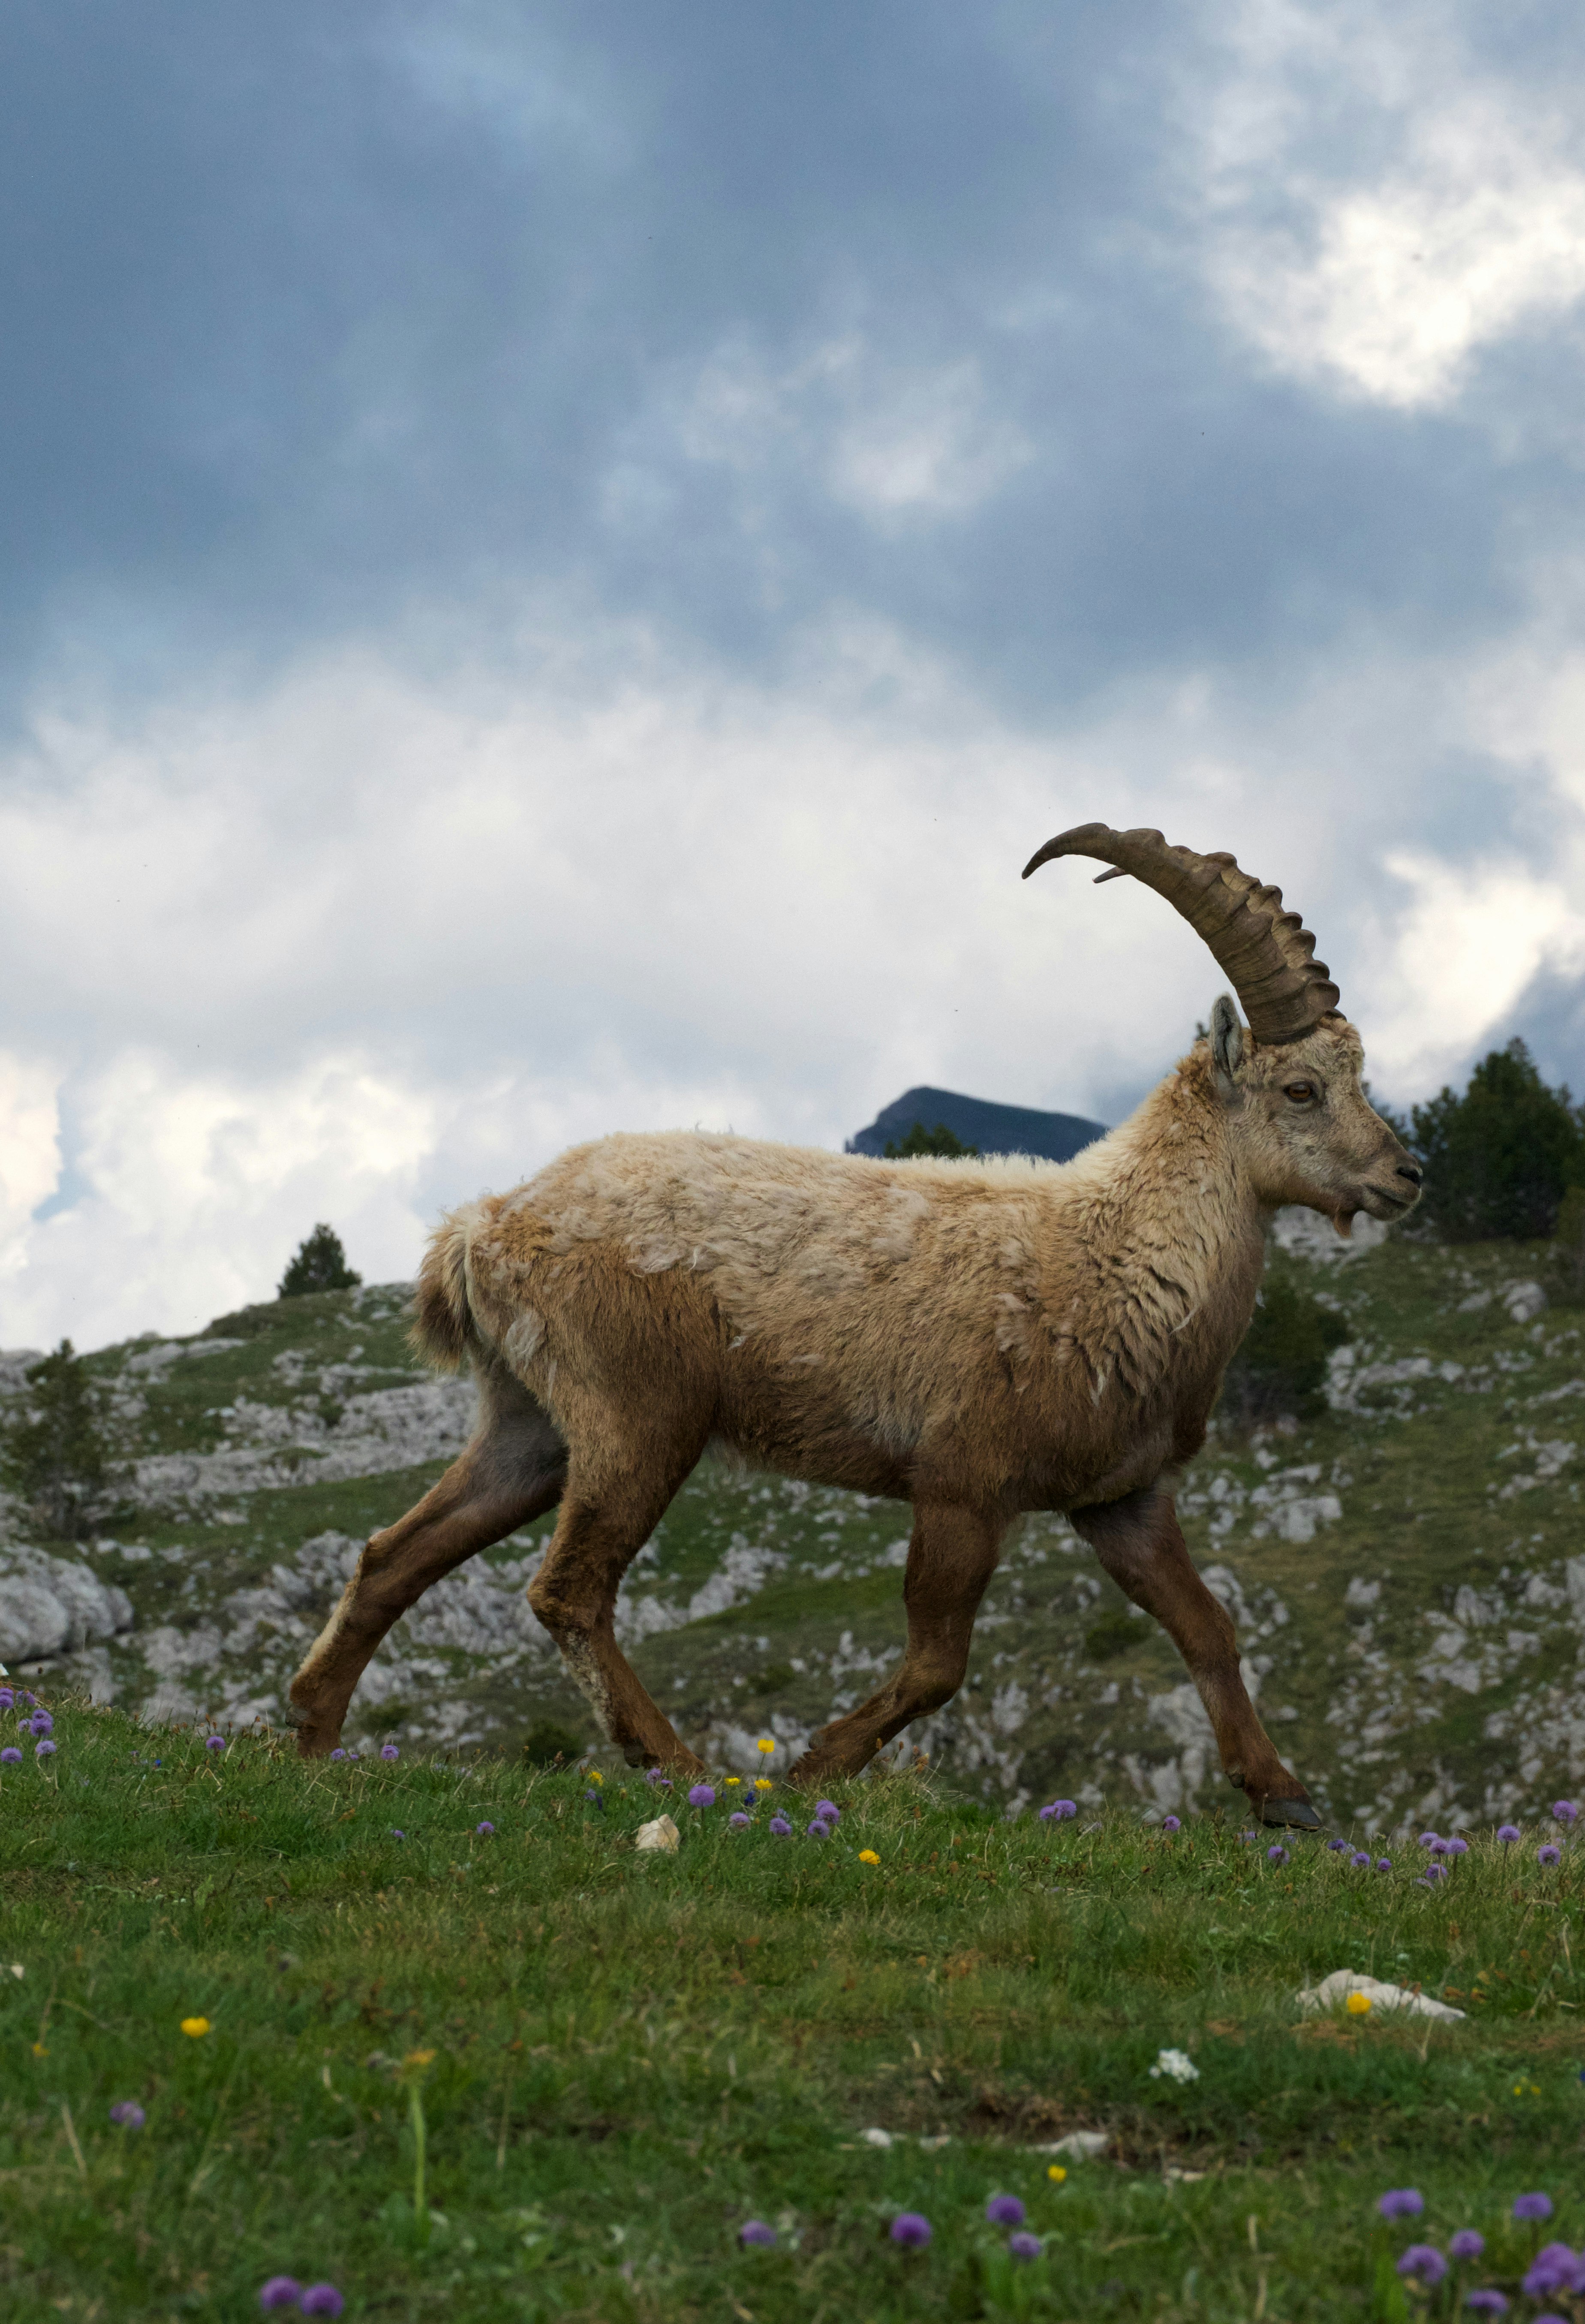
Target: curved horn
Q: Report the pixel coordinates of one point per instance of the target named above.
(1267, 954)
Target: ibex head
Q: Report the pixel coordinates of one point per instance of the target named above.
(1306, 1131)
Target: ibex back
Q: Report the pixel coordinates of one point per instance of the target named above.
(978, 1338)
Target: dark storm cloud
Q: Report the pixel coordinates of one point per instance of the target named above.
(317, 316)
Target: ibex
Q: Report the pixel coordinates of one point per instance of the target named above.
(978, 1338)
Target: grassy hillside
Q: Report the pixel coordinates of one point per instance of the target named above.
(1408, 1569)
(621, 2059)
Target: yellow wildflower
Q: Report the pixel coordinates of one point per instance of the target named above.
(766, 1743)
(868, 1856)
(733, 1781)
(1057, 2173)
(40, 2051)
(594, 1776)
(195, 2027)
(764, 1784)
(1357, 2005)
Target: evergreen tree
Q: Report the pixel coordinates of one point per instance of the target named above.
(53, 1454)
(1499, 1159)
(321, 1265)
(939, 1140)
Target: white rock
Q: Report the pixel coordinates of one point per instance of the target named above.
(1081, 2145)
(662, 1834)
(1334, 1990)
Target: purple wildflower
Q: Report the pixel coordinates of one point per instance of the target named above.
(1058, 1812)
(702, 1796)
(281, 2291)
(755, 2231)
(46, 1749)
(1434, 1872)
(1333, 1846)
(1458, 1847)
(1547, 1855)
(387, 1751)
(354, 1755)
(657, 1779)
(322, 2299)
(1442, 1848)
(7, 1698)
(484, 1831)
(817, 1830)
(1554, 2268)
(41, 1724)
(1428, 1840)
(1508, 1833)
(1565, 1811)
(1468, 2243)
(1023, 2246)
(1248, 1835)
(1532, 2206)
(1005, 2211)
(397, 1835)
(1401, 2203)
(1384, 1864)
(1486, 2304)
(1423, 2261)
(829, 1810)
(740, 1821)
(338, 1753)
(128, 2114)
(1278, 1854)
(215, 1743)
(11, 1756)
(1171, 1823)
(911, 2229)
(781, 1827)
(1361, 1855)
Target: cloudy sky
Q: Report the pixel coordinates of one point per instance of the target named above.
(555, 562)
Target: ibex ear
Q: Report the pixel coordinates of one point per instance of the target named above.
(1226, 1038)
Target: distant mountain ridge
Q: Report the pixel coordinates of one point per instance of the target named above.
(978, 1121)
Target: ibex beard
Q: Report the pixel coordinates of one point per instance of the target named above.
(980, 1339)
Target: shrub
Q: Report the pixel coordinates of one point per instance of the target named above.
(1279, 1367)
(940, 1141)
(53, 1455)
(549, 1743)
(321, 1265)
(1499, 1159)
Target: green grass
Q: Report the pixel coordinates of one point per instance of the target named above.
(635, 2053)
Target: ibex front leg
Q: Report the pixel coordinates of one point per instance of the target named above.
(1140, 1543)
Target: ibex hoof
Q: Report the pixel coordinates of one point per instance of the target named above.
(1290, 1812)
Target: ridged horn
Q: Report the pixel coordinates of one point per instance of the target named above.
(1268, 956)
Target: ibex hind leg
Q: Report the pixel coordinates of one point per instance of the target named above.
(951, 1558)
(617, 1491)
(512, 1471)
(1141, 1545)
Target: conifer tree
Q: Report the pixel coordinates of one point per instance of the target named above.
(53, 1455)
(319, 1265)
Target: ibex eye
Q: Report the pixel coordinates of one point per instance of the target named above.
(1299, 1092)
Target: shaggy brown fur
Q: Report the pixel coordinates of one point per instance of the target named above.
(979, 1338)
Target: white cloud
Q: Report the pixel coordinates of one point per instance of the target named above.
(360, 944)
(30, 1154)
(1378, 206)
(891, 439)
(1471, 939)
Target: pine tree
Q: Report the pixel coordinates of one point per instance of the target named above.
(53, 1456)
(321, 1265)
(1499, 1159)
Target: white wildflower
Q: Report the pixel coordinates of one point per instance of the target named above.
(1175, 2065)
